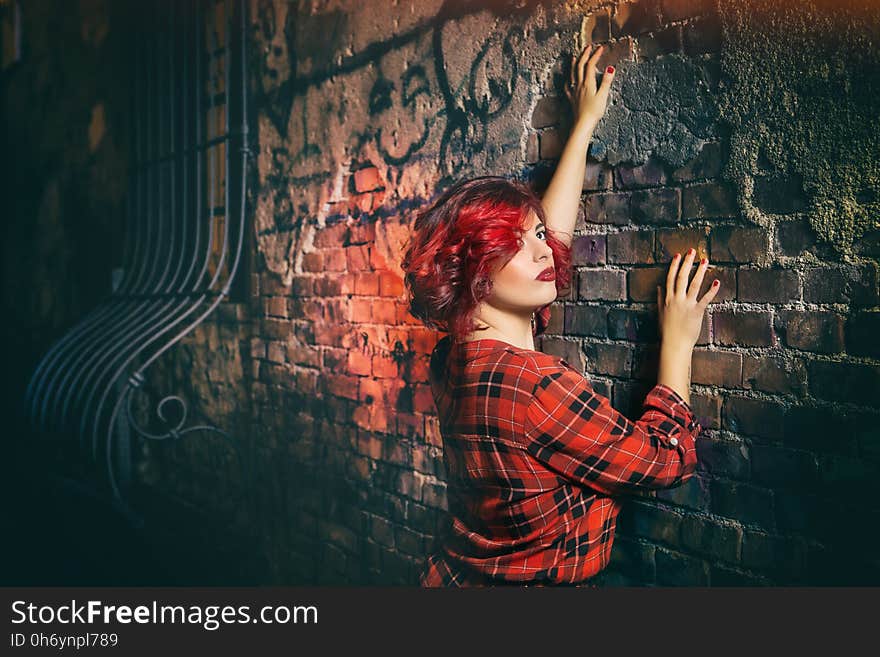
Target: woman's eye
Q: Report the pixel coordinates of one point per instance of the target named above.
(541, 233)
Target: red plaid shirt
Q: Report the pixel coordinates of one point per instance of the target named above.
(535, 459)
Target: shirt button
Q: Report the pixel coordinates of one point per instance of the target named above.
(673, 441)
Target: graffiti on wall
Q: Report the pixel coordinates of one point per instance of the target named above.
(425, 106)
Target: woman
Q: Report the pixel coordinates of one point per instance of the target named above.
(535, 458)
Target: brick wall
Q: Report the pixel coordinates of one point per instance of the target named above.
(364, 114)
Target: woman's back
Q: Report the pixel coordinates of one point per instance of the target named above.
(534, 460)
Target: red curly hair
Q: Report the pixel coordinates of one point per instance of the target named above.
(459, 239)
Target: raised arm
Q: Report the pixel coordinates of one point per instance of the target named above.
(588, 102)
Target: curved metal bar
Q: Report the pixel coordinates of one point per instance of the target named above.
(171, 279)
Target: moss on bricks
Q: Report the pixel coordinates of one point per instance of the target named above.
(801, 85)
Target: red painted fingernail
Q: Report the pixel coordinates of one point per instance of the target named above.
(715, 283)
(677, 254)
(703, 261)
(610, 69)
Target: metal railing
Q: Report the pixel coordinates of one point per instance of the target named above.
(183, 244)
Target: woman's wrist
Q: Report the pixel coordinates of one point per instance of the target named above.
(675, 367)
(583, 128)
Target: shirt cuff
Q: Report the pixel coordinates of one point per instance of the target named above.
(673, 404)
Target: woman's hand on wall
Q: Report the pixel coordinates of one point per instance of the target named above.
(588, 100)
(680, 312)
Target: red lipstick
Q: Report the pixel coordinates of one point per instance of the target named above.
(548, 274)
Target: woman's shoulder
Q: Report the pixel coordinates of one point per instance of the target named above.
(531, 367)
(492, 354)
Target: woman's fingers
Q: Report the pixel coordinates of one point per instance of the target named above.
(684, 272)
(671, 274)
(606, 80)
(577, 65)
(697, 280)
(710, 294)
(589, 72)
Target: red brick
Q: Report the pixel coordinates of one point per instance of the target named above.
(359, 363)
(646, 361)
(410, 425)
(275, 352)
(432, 431)
(717, 368)
(276, 307)
(397, 452)
(855, 383)
(532, 149)
(709, 199)
(332, 235)
(313, 262)
(785, 556)
(774, 285)
(703, 35)
(340, 385)
(366, 284)
(862, 330)
(368, 179)
(611, 208)
(601, 284)
(753, 417)
(547, 111)
(743, 328)
(357, 258)
(550, 144)
(725, 458)
(361, 233)
(274, 329)
(588, 250)
(774, 466)
(598, 176)
(596, 27)
(711, 539)
(642, 283)
(656, 206)
(848, 476)
(774, 375)
(635, 17)
(618, 51)
(383, 311)
(660, 42)
(633, 325)
(855, 285)
(676, 10)
(743, 502)
(335, 260)
(648, 521)
(337, 311)
(586, 320)
(631, 247)
(670, 242)
(381, 530)
(740, 245)
(423, 399)
(333, 285)
(390, 285)
(385, 367)
(820, 429)
(609, 359)
(796, 237)
(651, 173)
(708, 409)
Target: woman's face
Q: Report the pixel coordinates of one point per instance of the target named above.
(515, 285)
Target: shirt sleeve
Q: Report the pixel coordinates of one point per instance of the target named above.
(576, 432)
